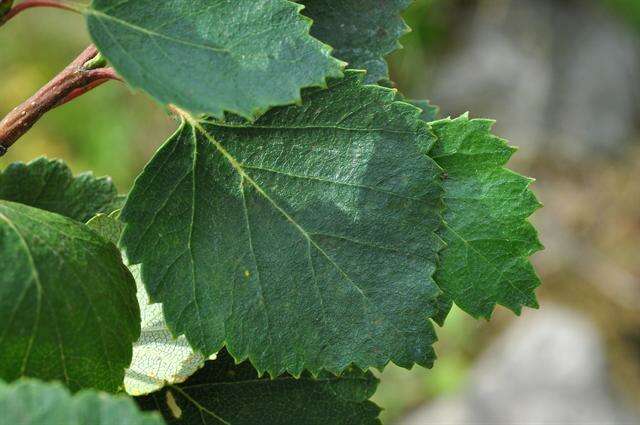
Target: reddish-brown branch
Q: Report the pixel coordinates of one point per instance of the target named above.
(80, 91)
(98, 76)
(29, 4)
(72, 82)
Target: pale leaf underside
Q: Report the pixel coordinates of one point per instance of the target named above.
(159, 358)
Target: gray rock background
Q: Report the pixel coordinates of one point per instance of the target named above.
(553, 71)
(548, 367)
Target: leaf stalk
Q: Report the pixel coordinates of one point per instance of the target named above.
(30, 4)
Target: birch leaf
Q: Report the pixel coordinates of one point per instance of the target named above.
(304, 240)
(362, 32)
(488, 236)
(31, 402)
(50, 185)
(206, 56)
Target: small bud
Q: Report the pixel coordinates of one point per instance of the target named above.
(5, 7)
(98, 61)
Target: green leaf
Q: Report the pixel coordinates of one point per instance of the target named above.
(50, 185)
(488, 236)
(30, 402)
(443, 307)
(226, 393)
(429, 112)
(362, 32)
(158, 358)
(67, 303)
(241, 56)
(107, 226)
(306, 240)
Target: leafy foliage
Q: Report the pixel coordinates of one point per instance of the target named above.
(310, 241)
(158, 357)
(362, 32)
(29, 402)
(304, 240)
(50, 185)
(107, 226)
(67, 303)
(429, 112)
(488, 237)
(226, 393)
(242, 56)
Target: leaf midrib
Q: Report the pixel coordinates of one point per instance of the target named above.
(238, 167)
(199, 406)
(151, 33)
(320, 179)
(277, 380)
(101, 327)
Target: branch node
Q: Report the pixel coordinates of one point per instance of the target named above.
(72, 82)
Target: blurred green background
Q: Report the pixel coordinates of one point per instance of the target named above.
(111, 130)
(518, 61)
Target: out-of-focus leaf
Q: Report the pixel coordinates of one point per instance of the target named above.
(31, 402)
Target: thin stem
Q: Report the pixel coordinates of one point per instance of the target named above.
(29, 4)
(73, 81)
